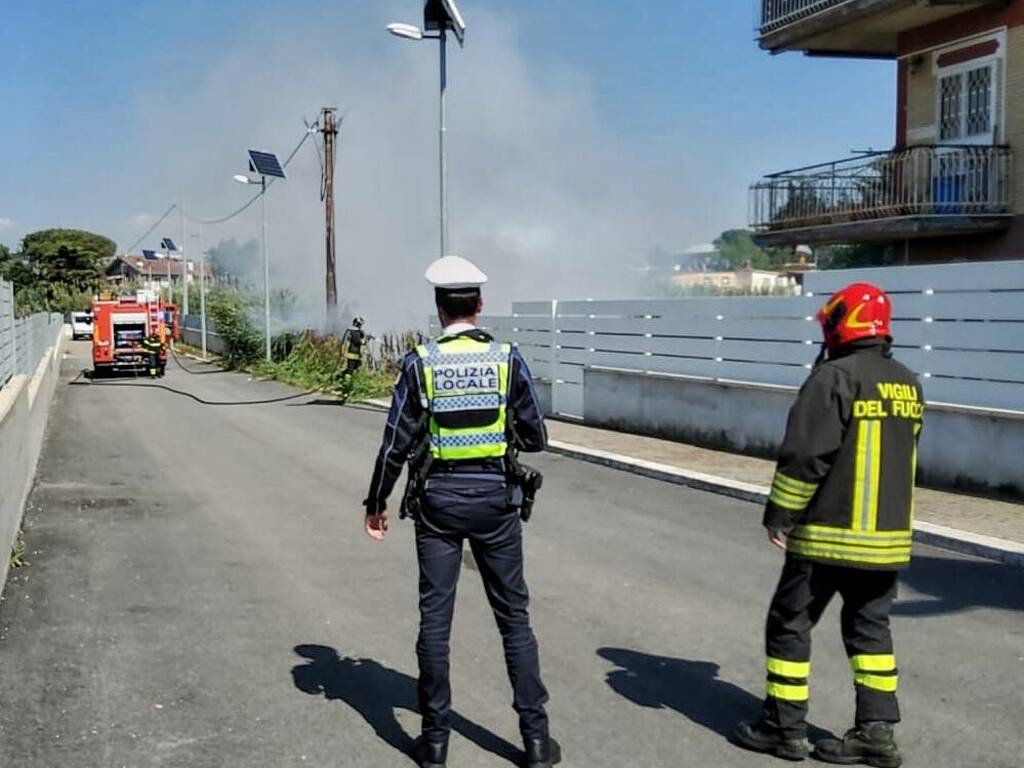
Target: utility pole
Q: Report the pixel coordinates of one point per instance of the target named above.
(329, 131)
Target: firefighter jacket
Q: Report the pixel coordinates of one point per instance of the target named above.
(353, 344)
(464, 397)
(844, 484)
(151, 345)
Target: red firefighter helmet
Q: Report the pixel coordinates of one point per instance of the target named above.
(858, 311)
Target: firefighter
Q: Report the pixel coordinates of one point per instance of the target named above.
(455, 405)
(352, 346)
(841, 506)
(153, 347)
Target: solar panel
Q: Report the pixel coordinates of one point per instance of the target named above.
(149, 255)
(265, 164)
(444, 14)
(167, 244)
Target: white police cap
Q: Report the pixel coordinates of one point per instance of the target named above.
(454, 272)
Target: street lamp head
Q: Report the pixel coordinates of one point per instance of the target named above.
(408, 31)
(242, 179)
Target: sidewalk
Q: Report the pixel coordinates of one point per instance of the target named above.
(969, 524)
(972, 525)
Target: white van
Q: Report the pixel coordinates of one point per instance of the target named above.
(81, 325)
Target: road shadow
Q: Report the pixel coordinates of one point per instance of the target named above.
(691, 688)
(956, 584)
(375, 692)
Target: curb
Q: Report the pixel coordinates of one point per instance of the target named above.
(932, 534)
(954, 539)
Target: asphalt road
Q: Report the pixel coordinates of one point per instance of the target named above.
(200, 594)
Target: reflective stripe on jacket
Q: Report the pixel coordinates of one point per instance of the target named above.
(844, 484)
(353, 344)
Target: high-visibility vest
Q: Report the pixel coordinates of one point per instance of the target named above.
(465, 387)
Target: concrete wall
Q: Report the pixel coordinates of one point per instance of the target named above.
(748, 418)
(191, 333)
(963, 448)
(24, 410)
(973, 449)
(921, 100)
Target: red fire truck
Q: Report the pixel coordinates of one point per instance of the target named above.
(120, 324)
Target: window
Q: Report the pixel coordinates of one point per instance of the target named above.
(979, 101)
(966, 104)
(949, 118)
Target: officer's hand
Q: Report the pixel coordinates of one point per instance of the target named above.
(777, 538)
(377, 525)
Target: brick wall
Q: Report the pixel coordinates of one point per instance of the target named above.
(921, 118)
(1014, 112)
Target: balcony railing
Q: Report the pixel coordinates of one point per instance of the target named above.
(916, 181)
(776, 14)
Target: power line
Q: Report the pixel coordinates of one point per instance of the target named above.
(222, 219)
(254, 198)
(149, 231)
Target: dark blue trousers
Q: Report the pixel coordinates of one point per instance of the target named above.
(476, 509)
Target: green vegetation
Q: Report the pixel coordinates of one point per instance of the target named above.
(737, 249)
(318, 363)
(855, 256)
(306, 359)
(18, 551)
(56, 270)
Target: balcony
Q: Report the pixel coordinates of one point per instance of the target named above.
(921, 191)
(851, 27)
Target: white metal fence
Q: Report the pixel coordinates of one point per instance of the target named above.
(23, 341)
(960, 326)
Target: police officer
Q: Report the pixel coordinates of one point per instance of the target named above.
(841, 506)
(152, 346)
(352, 344)
(455, 402)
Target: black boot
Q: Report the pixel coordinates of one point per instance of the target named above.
(868, 744)
(430, 754)
(542, 753)
(759, 738)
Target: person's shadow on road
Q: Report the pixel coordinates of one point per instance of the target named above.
(375, 692)
(691, 688)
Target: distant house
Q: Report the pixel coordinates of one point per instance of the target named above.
(949, 188)
(150, 273)
(742, 281)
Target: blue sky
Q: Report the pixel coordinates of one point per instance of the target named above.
(112, 109)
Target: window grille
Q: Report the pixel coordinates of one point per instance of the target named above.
(949, 119)
(979, 101)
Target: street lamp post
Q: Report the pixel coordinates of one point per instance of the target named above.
(169, 247)
(439, 16)
(202, 288)
(266, 257)
(184, 265)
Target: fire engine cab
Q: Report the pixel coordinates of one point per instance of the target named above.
(121, 323)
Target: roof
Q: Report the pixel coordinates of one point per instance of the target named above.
(144, 266)
(701, 248)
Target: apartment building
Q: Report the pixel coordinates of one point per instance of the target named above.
(949, 189)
